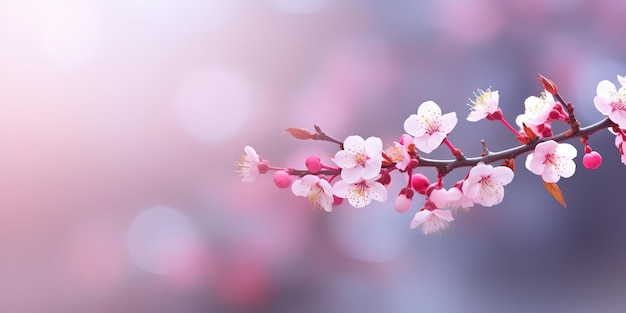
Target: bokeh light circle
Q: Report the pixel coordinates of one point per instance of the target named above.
(158, 238)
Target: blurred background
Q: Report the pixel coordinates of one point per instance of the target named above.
(121, 123)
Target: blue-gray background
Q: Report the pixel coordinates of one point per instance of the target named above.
(121, 122)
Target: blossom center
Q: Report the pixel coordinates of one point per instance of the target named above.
(480, 103)
(314, 194)
(430, 122)
(488, 188)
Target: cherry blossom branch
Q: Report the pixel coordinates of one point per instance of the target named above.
(362, 168)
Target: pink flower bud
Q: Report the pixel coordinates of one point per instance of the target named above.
(263, 166)
(592, 160)
(313, 164)
(402, 203)
(405, 139)
(282, 179)
(548, 85)
(419, 182)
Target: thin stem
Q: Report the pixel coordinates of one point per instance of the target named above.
(511, 128)
(325, 137)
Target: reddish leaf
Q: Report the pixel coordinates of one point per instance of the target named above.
(510, 163)
(555, 191)
(301, 133)
(529, 132)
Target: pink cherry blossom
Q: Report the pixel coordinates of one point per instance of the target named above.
(429, 127)
(317, 190)
(457, 200)
(552, 161)
(612, 102)
(248, 164)
(432, 221)
(485, 184)
(537, 111)
(359, 159)
(486, 103)
(361, 193)
(398, 154)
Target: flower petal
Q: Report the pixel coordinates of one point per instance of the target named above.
(603, 105)
(448, 122)
(429, 108)
(566, 167)
(373, 146)
(372, 168)
(341, 189)
(502, 174)
(619, 117)
(352, 175)
(377, 191)
(419, 218)
(354, 142)
(549, 175)
(445, 215)
(605, 89)
(422, 143)
(475, 116)
(344, 159)
(300, 189)
(413, 127)
(566, 150)
(439, 197)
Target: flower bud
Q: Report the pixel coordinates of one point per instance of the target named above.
(548, 85)
(419, 182)
(405, 139)
(313, 164)
(592, 160)
(301, 133)
(282, 179)
(402, 203)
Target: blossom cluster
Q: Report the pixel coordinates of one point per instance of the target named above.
(361, 169)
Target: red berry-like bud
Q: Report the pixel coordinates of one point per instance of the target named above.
(592, 160)
(313, 164)
(282, 179)
(419, 182)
